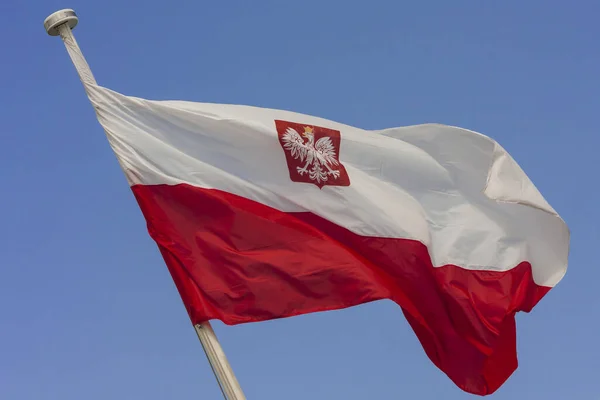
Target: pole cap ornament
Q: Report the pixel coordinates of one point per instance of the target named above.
(54, 20)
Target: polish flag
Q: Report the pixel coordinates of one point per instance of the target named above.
(263, 214)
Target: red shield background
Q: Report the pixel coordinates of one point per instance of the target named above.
(294, 163)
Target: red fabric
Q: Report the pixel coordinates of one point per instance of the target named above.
(239, 261)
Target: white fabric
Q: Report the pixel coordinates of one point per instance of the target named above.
(456, 191)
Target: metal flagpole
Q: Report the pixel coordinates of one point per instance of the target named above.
(60, 24)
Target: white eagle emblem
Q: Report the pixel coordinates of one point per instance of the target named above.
(320, 159)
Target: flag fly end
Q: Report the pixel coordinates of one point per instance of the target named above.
(56, 19)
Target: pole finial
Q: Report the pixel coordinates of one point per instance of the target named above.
(54, 20)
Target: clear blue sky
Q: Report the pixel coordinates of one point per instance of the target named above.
(87, 308)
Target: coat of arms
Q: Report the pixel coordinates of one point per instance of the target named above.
(312, 154)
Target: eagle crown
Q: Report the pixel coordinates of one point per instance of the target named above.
(309, 134)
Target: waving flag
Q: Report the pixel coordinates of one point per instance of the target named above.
(263, 214)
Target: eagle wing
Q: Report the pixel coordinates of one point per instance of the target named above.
(293, 142)
(326, 151)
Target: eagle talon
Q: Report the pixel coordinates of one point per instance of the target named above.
(301, 171)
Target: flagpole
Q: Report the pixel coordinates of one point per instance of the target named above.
(61, 24)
